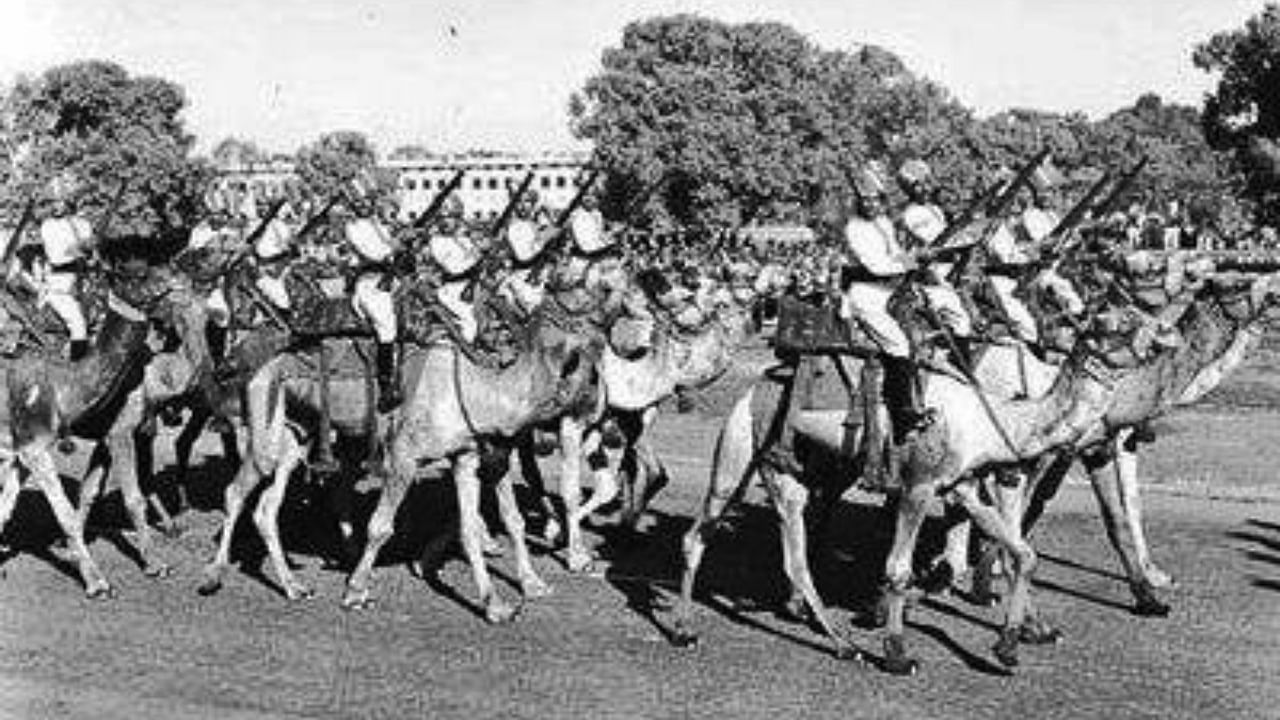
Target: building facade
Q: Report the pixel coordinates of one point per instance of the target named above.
(486, 185)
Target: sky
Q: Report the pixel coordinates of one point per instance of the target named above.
(497, 74)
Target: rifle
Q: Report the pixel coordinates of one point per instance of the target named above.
(564, 215)
(994, 201)
(314, 221)
(505, 217)
(15, 237)
(437, 202)
(1121, 187)
(497, 254)
(1057, 239)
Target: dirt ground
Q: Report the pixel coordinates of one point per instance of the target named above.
(597, 648)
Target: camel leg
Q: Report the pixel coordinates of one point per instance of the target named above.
(233, 499)
(577, 557)
(604, 489)
(531, 584)
(730, 475)
(1106, 483)
(1131, 499)
(91, 484)
(381, 526)
(467, 482)
(124, 464)
(43, 471)
(184, 447)
(789, 498)
(144, 454)
(267, 517)
(647, 464)
(525, 452)
(10, 487)
(1009, 535)
(910, 515)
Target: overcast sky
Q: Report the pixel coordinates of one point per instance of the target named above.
(457, 74)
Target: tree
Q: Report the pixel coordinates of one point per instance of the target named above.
(1242, 114)
(738, 122)
(329, 165)
(120, 138)
(237, 152)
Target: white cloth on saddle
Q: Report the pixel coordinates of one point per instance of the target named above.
(454, 254)
(1003, 247)
(65, 239)
(218, 308)
(1060, 290)
(370, 240)
(450, 295)
(203, 236)
(946, 303)
(376, 306)
(873, 244)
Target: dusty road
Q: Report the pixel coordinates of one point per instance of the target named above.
(594, 650)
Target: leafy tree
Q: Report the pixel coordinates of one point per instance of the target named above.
(1242, 115)
(329, 165)
(738, 122)
(120, 138)
(233, 152)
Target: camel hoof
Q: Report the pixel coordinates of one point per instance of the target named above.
(100, 590)
(1036, 632)
(683, 638)
(1148, 605)
(848, 653)
(357, 600)
(535, 588)
(158, 571)
(896, 661)
(1006, 648)
(579, 562)
(499, 612)
(795, 609)
(297, 593)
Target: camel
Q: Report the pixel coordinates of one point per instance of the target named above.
(99, 399)
(632, 390)
(1221, 328)
(740, 454)
(455, 408)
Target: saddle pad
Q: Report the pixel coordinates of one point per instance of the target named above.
(806, 328)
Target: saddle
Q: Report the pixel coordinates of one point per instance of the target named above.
(813, 326)
(31, 327)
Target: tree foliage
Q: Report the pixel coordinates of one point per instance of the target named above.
(1242, 114)
(237, 152)
(330, 164)
(747, 121)
(120, 138)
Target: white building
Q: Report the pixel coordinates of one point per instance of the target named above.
(485, 188)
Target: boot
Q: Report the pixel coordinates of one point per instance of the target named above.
(216, 337)
(79, 348)
(902, 398)
(388, 378)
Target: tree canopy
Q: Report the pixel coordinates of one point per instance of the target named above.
(330, 164)
(1242, 114)
(119, 139)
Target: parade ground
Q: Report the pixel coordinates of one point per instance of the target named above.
(597, 648)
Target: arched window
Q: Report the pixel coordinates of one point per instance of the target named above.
(561, 181)
(544, 181)
(493, 183)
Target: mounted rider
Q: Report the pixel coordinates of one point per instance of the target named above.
(457, 257)
(272, 252)
(878, 264)
(527, 237)
(67, 239)
(373, 248)
(924, 222)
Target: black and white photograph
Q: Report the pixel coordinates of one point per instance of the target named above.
(639, 359)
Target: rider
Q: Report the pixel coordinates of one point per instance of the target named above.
(877, 264)
(457, 256)
(527, 240)
(273, 250)
(924, 222)
(373, 248)
(67, 239)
